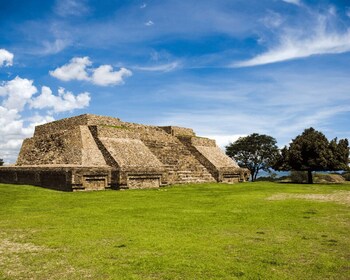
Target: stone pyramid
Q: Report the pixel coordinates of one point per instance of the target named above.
(90, 152)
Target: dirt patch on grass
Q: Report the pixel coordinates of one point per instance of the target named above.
(9, 247)
(19, 260)
(12, 256)
(341, 197)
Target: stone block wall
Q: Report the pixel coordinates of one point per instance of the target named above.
(60, 177)
(178, 131)
(69, 123)
(62, 147)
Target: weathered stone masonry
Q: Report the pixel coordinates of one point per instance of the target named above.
(90, 152)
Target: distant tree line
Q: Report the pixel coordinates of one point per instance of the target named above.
(311, 151)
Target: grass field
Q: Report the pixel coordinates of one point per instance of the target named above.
(209, 231)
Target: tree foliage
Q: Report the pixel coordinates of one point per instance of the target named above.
(255, 152)
(1, 162)
(311, 151)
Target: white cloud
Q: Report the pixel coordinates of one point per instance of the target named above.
(13, 129)
(9, 123)
(6, 58)
(74, 70)
(295, 2)
(77, 69)
(105, 76)
(64, 101)
(294, 44)
(15, 95)
(17, 92)
(34, 121)
(144, 5)
(149, 23)
(288, 101)
(160, 68)
(11, 134)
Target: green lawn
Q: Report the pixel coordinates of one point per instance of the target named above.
(207, 231)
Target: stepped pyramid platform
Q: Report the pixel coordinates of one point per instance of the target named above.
(90, 152)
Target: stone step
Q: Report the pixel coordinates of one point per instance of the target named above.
(179, 162)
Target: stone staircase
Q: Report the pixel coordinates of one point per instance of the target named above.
(180, 164)
(194, 177)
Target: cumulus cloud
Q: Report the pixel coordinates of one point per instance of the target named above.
(35, 120)
(74, 70)
(9, 123)
(294, 44)
(105, 76)
(11, 133)
(78, 69)
(17, 93)
(13, 129)
(64, 101)
(6, 58)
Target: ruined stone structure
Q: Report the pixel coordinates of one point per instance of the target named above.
(90, 152)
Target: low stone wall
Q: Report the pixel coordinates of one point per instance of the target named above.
(63, 178)
(143, 181)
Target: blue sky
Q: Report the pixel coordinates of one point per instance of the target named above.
(225, 68)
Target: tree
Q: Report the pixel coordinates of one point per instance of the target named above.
(311, 151)
(255, 152)
(1, 162)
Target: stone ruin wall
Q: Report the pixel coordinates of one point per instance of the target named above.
(90, 152)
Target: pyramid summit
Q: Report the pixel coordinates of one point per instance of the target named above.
(90, 152)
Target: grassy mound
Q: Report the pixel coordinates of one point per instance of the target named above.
(329, 178)
(209, 231)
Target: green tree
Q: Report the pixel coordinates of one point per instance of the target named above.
(1, 162)
(255, 152)
(311, 151)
